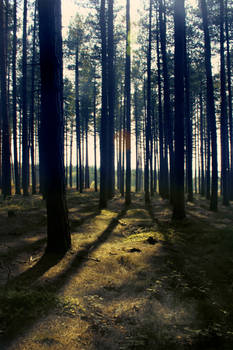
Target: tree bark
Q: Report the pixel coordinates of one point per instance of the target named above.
(58, 232)
(178, 200)
(128, 106)
(6, 168)
(210, 108)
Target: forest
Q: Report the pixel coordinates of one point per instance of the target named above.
(116, 174)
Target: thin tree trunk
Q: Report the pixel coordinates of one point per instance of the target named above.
(224, 126)
(128, 106)
(229, 88)
(6, 167)
(32, 109)
(25, 165)
(14, 101)
(210, 108)
(148, 114)
(103, 133)
(178, 199)
(111, 96)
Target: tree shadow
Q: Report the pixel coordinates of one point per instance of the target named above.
(27, 279)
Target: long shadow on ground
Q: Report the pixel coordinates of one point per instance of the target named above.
(189, 284)
(27, 279)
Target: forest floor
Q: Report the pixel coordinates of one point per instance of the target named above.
(134, 279)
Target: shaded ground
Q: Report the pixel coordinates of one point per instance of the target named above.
(133, 279)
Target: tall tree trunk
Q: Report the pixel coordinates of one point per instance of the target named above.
(202, 187)
(167, 106)
(189, 141)
(71, 152)
(58, 240)
(6, 168)
(95, 145)
(148, 114)
(32, 109)
(111, 93)
(210, 108)
(224, 127)
(136, 134)
(178, 200)
(229, 88)
(14, 101)
(25, 165)
(87, 180)
(160, 116)
(103, 132)
(128, 106)
(79, 180)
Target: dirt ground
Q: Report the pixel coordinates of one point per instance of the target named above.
(133, 279)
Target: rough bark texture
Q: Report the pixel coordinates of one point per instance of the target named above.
(58, 232)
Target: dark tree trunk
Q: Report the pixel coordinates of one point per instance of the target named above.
(189, 141)
(6, 168)
(87, 180)
(210, 108)
(202, 187)
(161, 128)
(25, 165)
(103, 132)
(111, 93)
(59, 240)
(14, 101)
(136, 134)
(148, 114)
(71, 152)
(178, 199)
(128, 106)
(95, 146)
(229, 88)
(79, 177)
(224, 126)
(32, 109)
(167, 109)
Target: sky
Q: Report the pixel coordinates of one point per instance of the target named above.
(69, 8)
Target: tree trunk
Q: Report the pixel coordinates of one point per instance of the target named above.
(25, 165)
(111, 93)
(103, 132)
(210, 108)
(178, 199)
(6, 168)
(14, 101)
(58, 240)
(167, 106)
(189, 141)
(229, 99)
(128, 106)
(148, 114)
(32, 109)
(224, 126)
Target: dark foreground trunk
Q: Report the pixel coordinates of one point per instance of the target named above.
(52, 125)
